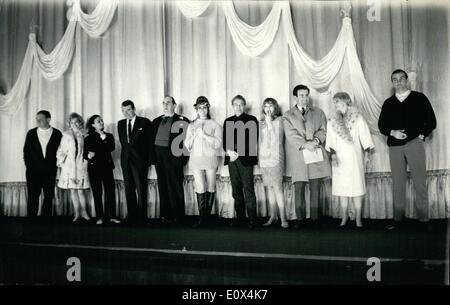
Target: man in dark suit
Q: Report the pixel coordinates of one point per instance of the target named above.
(170, 158)
(39, 154)
(240, 142)
(135, 135)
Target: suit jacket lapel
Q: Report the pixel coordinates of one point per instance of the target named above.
(136, 126)
(298, 121)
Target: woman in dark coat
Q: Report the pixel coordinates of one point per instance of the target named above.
(98, 147)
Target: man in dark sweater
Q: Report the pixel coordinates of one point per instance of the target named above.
(170, 158)
(39, 154)
(407, 118)
(240, 142)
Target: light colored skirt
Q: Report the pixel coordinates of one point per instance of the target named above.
(204, 162)
(272, 176)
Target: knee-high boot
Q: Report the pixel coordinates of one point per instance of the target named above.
(211, 198)
(201, 201)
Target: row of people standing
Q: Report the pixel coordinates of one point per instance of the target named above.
(85, 159)
(301, 133)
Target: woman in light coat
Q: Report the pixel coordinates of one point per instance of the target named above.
(74, 168)
(349, 142)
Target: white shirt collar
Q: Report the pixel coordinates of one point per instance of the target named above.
(48, 130)
(402, 96)
(300, 107)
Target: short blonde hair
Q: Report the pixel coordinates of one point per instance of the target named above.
(343, 96)
(76, 116)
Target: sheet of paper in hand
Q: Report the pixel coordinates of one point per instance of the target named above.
(312, 156)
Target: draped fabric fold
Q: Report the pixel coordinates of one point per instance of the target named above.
(96, 23)
(369, 105)
(53, 65)
(10, 102)
(193, 9)
(252, 41)
(318, 74)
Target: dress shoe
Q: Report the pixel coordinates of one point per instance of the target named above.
(297, 225)
(85, 216)
(270, 222)
(391, 227)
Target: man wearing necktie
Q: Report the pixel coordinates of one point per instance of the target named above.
(135, 135)
(170, 157)
(305, 129)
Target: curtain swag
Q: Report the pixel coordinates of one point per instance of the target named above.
(251, 41)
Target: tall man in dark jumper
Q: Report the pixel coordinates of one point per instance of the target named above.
(407, 118)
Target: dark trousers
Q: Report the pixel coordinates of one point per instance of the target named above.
(300, 199)
(412, 152)
(103, 179)
(135, 180)
(35, 183)
(243, 189)
(170, 184)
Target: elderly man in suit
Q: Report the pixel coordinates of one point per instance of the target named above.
(170, 159)
(135, 135)
(39, 154)
(305, 130)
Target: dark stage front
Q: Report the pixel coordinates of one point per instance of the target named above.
(37, 253)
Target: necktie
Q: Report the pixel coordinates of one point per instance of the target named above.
(129, 130)
(76, 147)
(303, 111)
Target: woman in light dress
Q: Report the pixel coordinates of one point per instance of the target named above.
(349, 142)
(271, 159)
(74, 168)
(204, 142)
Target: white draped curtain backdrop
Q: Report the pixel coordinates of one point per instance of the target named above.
(89, 56)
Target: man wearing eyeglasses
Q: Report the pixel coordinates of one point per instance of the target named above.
(407, 118)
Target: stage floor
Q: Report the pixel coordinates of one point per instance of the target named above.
(37, 253)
